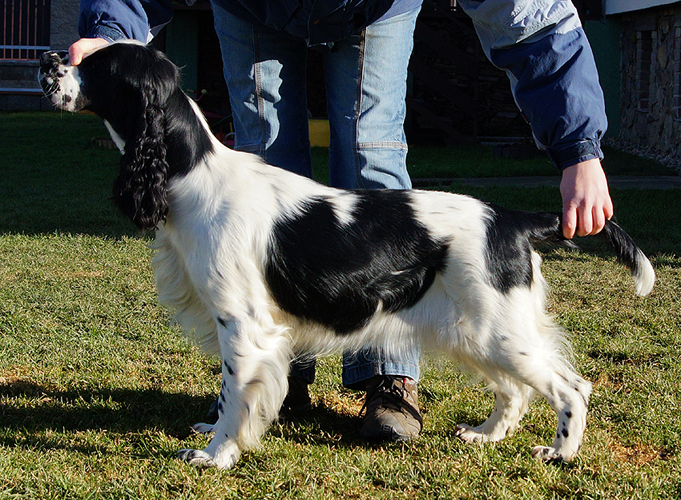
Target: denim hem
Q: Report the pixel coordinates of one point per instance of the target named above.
(355, 376)
(382, 145)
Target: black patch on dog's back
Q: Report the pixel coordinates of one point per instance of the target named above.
(510, 234)
(337, 274)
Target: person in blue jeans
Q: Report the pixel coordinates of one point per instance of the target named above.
(366, 48)
(366, 82)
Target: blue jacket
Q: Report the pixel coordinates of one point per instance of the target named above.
(539, 43)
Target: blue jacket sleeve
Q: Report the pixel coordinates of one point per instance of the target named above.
(543, 49)
(555, 84)
(117, 19)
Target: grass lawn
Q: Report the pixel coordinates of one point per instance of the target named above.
(97, 392)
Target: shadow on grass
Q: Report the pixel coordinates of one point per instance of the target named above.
(30, 412)
(321, 426)
(38, 408)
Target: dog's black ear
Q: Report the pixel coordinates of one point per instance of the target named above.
(140, 189)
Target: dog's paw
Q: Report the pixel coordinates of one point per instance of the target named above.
(203, 458)
(481, 434)
(548, 454)
(203, 428)
(196, 457)
(469, 434)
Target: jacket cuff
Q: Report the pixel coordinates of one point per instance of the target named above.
(105, 32)
(569, 155)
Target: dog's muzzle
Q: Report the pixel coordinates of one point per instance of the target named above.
(59, 81)
(49, 74)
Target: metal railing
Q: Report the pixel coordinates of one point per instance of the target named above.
(25, 29)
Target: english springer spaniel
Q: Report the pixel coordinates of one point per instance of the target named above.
(258, 263)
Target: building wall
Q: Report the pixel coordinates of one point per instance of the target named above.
(651, 74)
(63, 24)
(604, 36)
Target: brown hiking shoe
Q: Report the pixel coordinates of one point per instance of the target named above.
(392, 410)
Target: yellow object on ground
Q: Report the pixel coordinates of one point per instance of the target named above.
(319, 132)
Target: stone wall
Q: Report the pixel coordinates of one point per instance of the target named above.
(63, 23)
(651, 74)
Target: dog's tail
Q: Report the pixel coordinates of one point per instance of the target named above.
(547, 227)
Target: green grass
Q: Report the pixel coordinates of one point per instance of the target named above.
(97, 392)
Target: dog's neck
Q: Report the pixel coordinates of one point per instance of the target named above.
(188, 136)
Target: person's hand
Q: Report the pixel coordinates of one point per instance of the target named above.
(81, 48)
(586, 199)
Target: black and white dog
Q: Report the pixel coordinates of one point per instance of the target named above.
(258, 263)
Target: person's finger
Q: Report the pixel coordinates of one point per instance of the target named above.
(569, 221)
(585, 223)
(598, 217)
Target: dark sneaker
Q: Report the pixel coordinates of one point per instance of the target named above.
(297, 400)
(212, 414)
(392, 410)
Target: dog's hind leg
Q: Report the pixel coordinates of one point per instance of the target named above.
(255, 364)
(511, 403)
(568, 395)
(545, 368)
(566, 392)
(520, 347)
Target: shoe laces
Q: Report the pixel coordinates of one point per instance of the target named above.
(392, 393)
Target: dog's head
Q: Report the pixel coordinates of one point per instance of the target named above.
(109, 80)
(129, 85)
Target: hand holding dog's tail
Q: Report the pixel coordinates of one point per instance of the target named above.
(547, 227)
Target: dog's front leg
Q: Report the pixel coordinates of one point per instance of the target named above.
(224, 450)
(255, 363)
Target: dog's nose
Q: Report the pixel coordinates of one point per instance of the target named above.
(50, 60)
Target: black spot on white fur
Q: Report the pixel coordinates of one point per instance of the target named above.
(338, 274)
